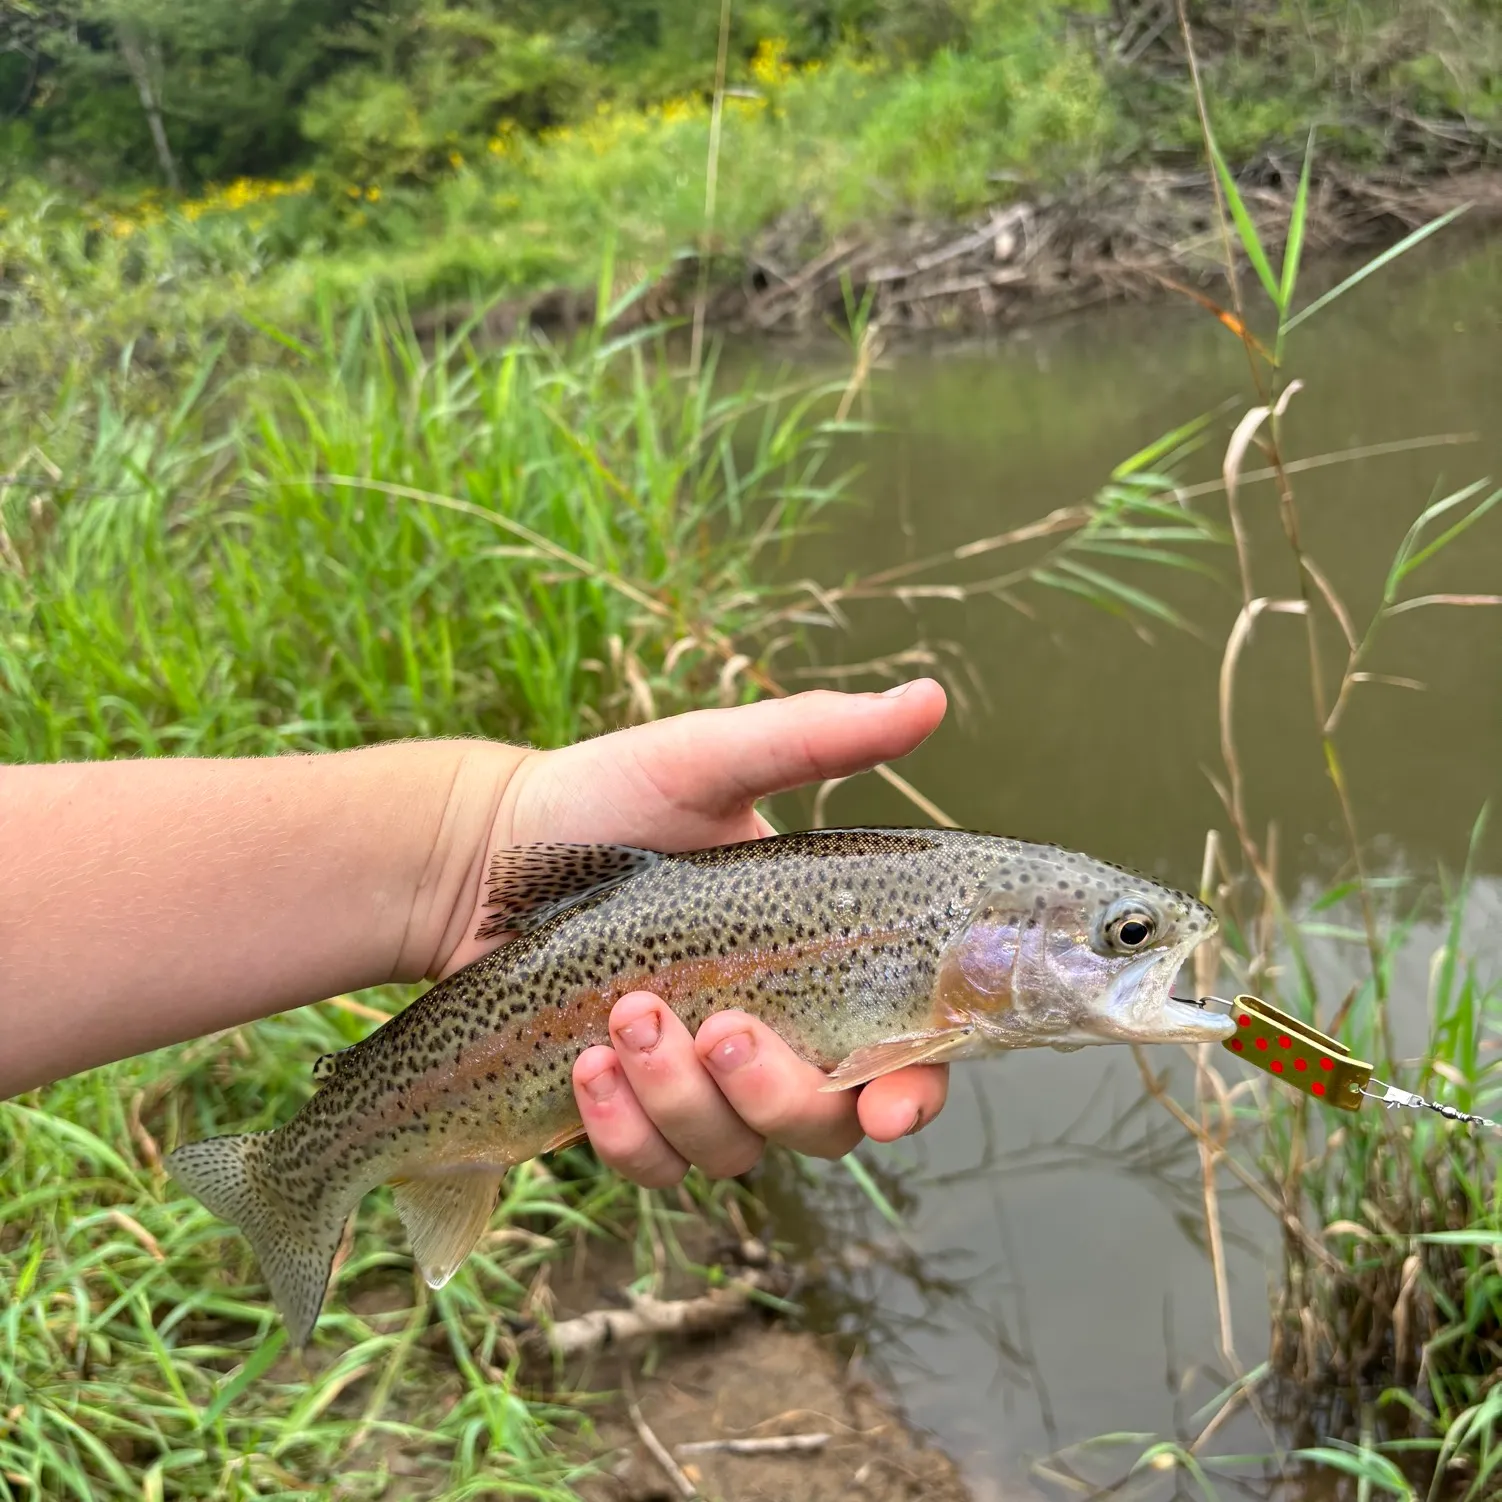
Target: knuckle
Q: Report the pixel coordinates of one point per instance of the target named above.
(733, 1165)
(646, 1162)
(659, 1176)
(833, 1146)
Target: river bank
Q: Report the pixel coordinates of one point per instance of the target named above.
(1009, 164)
(1136, 237)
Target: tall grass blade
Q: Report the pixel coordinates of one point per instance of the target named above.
(1295, 246)
(1171, 441)
(1246, 228)
(1364, 1465)
(869, 1187)
(1293, 250)
(1403, 246)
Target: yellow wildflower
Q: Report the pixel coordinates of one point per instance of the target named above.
(769, 65)
(231, 197)
(373, 193)
(684, 107)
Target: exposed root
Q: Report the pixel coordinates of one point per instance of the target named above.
(646, 1316)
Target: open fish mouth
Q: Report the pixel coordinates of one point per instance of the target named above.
(1186, 1012)
(1140, 1006)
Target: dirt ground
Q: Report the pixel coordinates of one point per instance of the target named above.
(757, 1381)
(757, 1376)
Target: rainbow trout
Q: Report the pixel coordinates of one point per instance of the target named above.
(866, 949)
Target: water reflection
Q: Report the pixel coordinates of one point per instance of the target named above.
(1049, 1282)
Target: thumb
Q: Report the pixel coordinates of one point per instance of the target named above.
(718, 761)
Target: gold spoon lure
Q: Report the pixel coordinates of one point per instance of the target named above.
(1314, 1062)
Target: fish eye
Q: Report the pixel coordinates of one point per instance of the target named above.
(1130, 929)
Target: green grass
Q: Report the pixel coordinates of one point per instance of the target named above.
(541, 544)
(848, 142)
(138, 1357)
(213, 578)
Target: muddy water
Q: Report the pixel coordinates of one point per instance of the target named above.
(1049, 1281)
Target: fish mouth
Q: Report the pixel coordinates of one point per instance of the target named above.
(1140, 1006)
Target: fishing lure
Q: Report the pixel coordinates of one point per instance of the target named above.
(1315, 1063)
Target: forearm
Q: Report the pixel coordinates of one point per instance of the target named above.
(147, 902)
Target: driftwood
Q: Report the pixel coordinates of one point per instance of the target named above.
(645, 1316)
(775, 1444)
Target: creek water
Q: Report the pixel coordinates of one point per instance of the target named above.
(1049, 1280)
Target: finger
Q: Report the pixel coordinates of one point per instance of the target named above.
(620, 1130)
(775, 1092)
(896, 1104)
(676, 1091)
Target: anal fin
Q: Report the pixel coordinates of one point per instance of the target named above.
(892, 1054)
(445, 1213)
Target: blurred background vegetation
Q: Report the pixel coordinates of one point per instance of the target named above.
(464, 147)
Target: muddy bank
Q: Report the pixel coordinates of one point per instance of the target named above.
(716, 1395)
(1132, 236)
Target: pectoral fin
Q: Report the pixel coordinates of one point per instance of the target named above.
(877, 1059)
(445, 1214)
(566, 1138)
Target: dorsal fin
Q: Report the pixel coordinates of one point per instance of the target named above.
(530, 883)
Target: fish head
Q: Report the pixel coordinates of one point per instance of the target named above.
(1061, 950)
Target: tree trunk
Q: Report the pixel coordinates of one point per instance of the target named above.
(135, 59)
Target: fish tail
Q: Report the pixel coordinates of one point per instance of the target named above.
(229, 1175)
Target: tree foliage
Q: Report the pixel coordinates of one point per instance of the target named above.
(261, 87)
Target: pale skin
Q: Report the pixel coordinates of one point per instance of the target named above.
(144, 903)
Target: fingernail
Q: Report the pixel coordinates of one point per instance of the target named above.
(731, 1053)
(643, 1034)
(917, 1122)
(603, 1085)
(898, 692)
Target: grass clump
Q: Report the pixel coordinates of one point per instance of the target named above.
(538, 534)
(367, 541)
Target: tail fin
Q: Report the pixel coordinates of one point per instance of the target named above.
(228, 1175)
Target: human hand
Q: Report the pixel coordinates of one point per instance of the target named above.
(660, 1099)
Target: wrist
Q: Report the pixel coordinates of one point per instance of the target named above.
(468, 783)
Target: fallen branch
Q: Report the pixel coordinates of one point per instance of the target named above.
(647, 1315)
(776, 1444)
(1004, 277)
(658, 1451)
